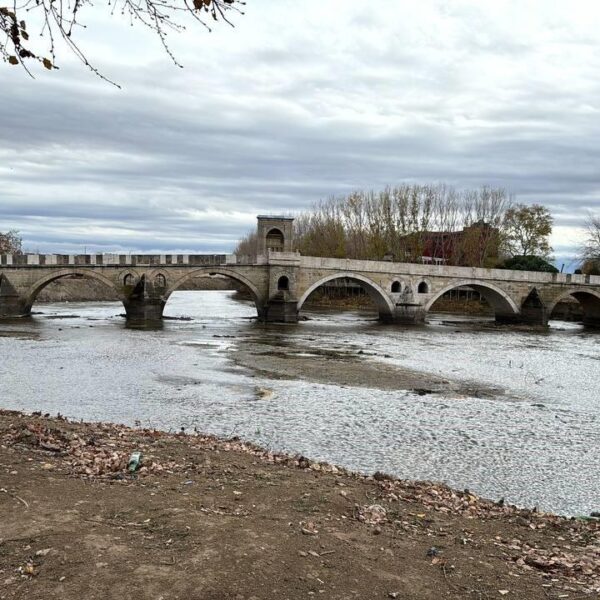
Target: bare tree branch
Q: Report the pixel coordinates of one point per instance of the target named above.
(60, 19)
(590, 249)
(11, 243)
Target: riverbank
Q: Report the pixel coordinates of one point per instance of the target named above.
(215, 519)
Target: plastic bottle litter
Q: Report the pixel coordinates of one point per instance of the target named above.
(135, 461)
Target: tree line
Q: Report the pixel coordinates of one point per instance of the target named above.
(396, 223)
(481, 227)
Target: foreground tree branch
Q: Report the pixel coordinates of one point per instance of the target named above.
(60, 20)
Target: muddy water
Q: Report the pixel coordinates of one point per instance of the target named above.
(532, 439)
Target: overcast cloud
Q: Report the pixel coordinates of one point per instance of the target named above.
(302, 100)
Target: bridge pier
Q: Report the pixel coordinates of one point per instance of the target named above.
(533, 310)
(144, 311)
(592, 321)
(11, 308)
(145, 304)
(405, 314)
(279, 310)
(12, 304)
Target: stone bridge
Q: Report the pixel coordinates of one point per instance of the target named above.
(280, 281)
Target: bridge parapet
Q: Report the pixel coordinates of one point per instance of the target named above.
(293, 259)
(417, 269)
(113, 259)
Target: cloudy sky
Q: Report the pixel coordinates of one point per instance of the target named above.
(301, 101)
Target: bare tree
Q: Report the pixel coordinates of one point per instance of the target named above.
(247, 246)
(407, 222)
(590, 249)
(11, 243)
(61, 20)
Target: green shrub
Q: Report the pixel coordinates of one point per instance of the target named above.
(529, 263)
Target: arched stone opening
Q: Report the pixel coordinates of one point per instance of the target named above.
(160, 281)
(247, 285)
(380, 299)
(423, 288)
(396, 287)
(463, 300)
(283, 283)
(501, 304)
(275, 240)
(35, 290)
(129, 280)
(588, 301)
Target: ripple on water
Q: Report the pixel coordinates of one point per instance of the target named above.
(537, 449)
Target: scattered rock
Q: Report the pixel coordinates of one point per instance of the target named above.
(371, 515)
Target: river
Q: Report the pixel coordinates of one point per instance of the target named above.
(534, 441)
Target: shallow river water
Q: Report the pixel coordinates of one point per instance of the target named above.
(535, 443)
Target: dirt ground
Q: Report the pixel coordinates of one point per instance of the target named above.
(209, 519)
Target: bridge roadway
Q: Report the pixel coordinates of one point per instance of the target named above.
(280, 283)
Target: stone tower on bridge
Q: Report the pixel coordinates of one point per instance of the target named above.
(275, 233)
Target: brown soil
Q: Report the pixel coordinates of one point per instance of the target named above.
(214, 520)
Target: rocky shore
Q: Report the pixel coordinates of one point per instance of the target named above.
(205, 518)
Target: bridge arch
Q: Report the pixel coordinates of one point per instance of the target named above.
(378, 295)
(589, 301)
(498, 299)
(423, 287)
(207, 272)
(159, 278)
(39, 285)
(129, 278)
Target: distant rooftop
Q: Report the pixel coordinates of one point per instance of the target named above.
(275, 217)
